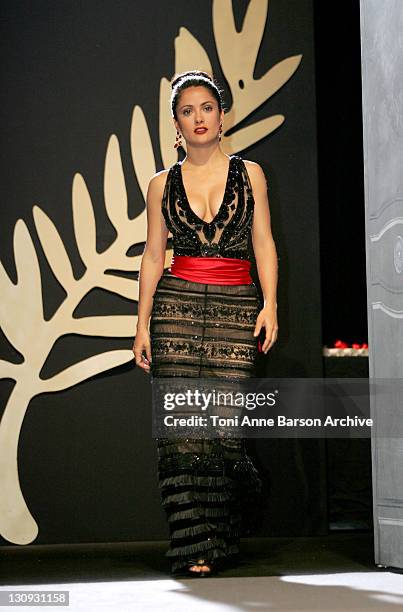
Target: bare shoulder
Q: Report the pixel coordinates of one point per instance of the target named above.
(158, 179)
(157, 182)
(256, 173)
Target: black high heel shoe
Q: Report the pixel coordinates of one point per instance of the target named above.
(202, 573)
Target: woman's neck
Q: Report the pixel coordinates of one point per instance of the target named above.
(204, 157)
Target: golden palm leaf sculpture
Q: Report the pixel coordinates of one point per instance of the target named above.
(21, 306)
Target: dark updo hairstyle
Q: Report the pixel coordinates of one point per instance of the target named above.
(194, 78)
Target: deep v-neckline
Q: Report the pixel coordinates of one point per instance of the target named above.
(187, 200)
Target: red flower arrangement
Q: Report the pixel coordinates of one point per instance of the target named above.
(342, 349)
(355, 345)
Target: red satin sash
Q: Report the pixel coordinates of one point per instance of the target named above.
(212, 270)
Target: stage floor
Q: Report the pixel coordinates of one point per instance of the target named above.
(334, 572)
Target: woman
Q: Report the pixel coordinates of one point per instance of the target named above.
(206, 317)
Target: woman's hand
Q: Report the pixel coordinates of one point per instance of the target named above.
(142, 344)
(267, 318)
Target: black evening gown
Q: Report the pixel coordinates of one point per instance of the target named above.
(210, 488)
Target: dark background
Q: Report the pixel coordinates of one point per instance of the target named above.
(71, 74)
(340, 173)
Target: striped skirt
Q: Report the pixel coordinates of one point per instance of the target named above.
(210, 488)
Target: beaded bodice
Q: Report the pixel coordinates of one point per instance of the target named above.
(228, 234)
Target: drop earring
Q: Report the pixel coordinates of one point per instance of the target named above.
(220, 132)
(178, 142)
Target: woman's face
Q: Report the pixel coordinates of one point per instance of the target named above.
(197, 107)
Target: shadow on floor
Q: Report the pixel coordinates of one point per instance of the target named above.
(33, 564)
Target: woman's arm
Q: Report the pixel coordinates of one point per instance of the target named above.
(265, 255)
(152, 266)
